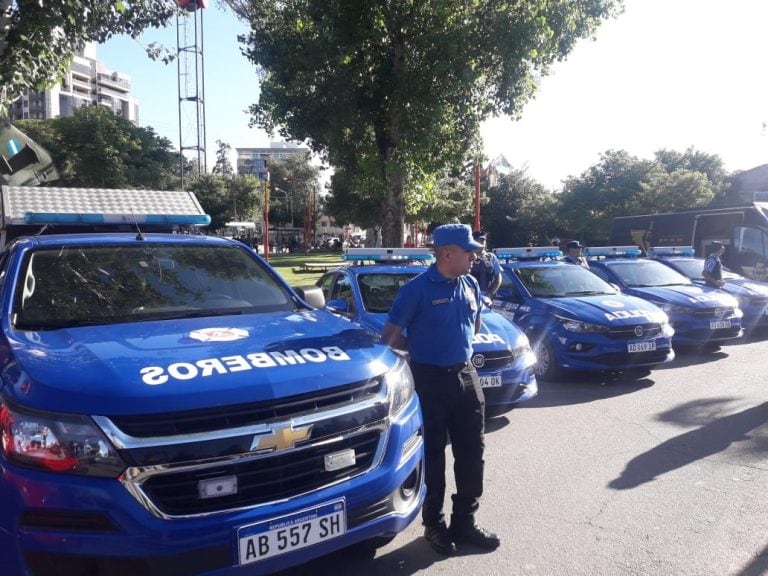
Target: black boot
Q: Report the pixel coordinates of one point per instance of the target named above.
(438, 537)
(470, 533)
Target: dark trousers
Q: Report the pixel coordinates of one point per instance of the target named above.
(453, 405)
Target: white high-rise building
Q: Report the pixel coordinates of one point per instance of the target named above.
(87, 82)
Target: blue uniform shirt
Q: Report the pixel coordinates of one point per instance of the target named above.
(485, 269)
(439, 315)
(714, 267)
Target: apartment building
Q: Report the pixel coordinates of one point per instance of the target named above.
(255, 160)
(87, 82)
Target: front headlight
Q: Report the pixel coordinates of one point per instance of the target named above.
(521, 347)
(400, 388)
(673, 309)
(65, 443)
(582, 327)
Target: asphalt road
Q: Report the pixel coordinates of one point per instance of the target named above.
(663, 475)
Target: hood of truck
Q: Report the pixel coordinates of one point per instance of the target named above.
(186, 364)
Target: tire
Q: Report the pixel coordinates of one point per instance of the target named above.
(546, 363)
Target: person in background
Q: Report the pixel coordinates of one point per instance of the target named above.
(759, 271)
(713, 267)
(440, 312)
(486, 269)
(574, 255)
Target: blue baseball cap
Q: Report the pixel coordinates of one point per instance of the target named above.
(458, 234)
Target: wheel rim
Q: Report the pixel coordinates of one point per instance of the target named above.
(543, 359)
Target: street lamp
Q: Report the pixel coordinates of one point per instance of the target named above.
(289, 197)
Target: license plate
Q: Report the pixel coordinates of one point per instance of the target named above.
(718, 324)
(290, 533)
(490, 381)
(641, 346)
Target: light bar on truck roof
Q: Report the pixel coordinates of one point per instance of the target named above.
(387, 254)
(612, 251)
(671, 251)
(75, 218)
(527, 253)
(77, 206)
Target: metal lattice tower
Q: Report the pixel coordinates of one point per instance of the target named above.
(191, 77)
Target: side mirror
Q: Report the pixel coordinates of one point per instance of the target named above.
(312, 295)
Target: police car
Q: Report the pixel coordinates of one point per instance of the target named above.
(575, 320)
(364, 290)
(752, 295)
(169, 405)
(700, 315)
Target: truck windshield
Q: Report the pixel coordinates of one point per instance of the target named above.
(82, 285)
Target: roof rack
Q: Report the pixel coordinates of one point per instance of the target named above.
(671, 251)
(391, 255)
(612, 252)
(527, 253)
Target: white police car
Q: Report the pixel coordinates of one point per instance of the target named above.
(575, 320)
(364, 289)
(700, 315)
(752, 295)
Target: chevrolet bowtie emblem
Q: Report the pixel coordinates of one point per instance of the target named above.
(281, 438)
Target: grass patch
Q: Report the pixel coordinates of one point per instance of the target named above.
(287, 265)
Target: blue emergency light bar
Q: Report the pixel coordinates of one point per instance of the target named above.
(671, 251)
(527, 253)
(612, 251)
(90, 218)
(388, 254)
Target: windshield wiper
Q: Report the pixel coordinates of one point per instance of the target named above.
(586, 293)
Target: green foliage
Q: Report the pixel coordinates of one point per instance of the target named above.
(394, 92)
(39, 37)
(228, 198)
(624, 185)
(223, 166)
(519, 212)
(96, 148)
(296, 178)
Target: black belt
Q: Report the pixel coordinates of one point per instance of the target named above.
(436, 368)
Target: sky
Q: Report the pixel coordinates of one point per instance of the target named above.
(666, 74)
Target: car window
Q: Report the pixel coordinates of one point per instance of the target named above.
(378, 291)
(105, 284)
(326, 283)
(508, 289)
(342, 290)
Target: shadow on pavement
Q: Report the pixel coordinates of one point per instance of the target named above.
(415, 556)
(580, 388)
(714, 435)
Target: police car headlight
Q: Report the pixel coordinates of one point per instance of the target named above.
(583, 327)
(63, 443)
(673, 309)
(400, 389)
(521, 347)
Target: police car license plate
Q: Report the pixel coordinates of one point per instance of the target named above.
(490, 381)
(641, 346)
(718, 324)
(289, 533)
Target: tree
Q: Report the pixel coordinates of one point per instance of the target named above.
(223, 166)
(624, 185)
(96, 148)
(225, 199)
(38, 39)
(396, 91)
(519, 212)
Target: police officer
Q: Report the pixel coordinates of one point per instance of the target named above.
(573, 254)
(713, 267)
(486, 268)
(440, 309)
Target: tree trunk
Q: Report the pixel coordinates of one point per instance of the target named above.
(392, 224)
